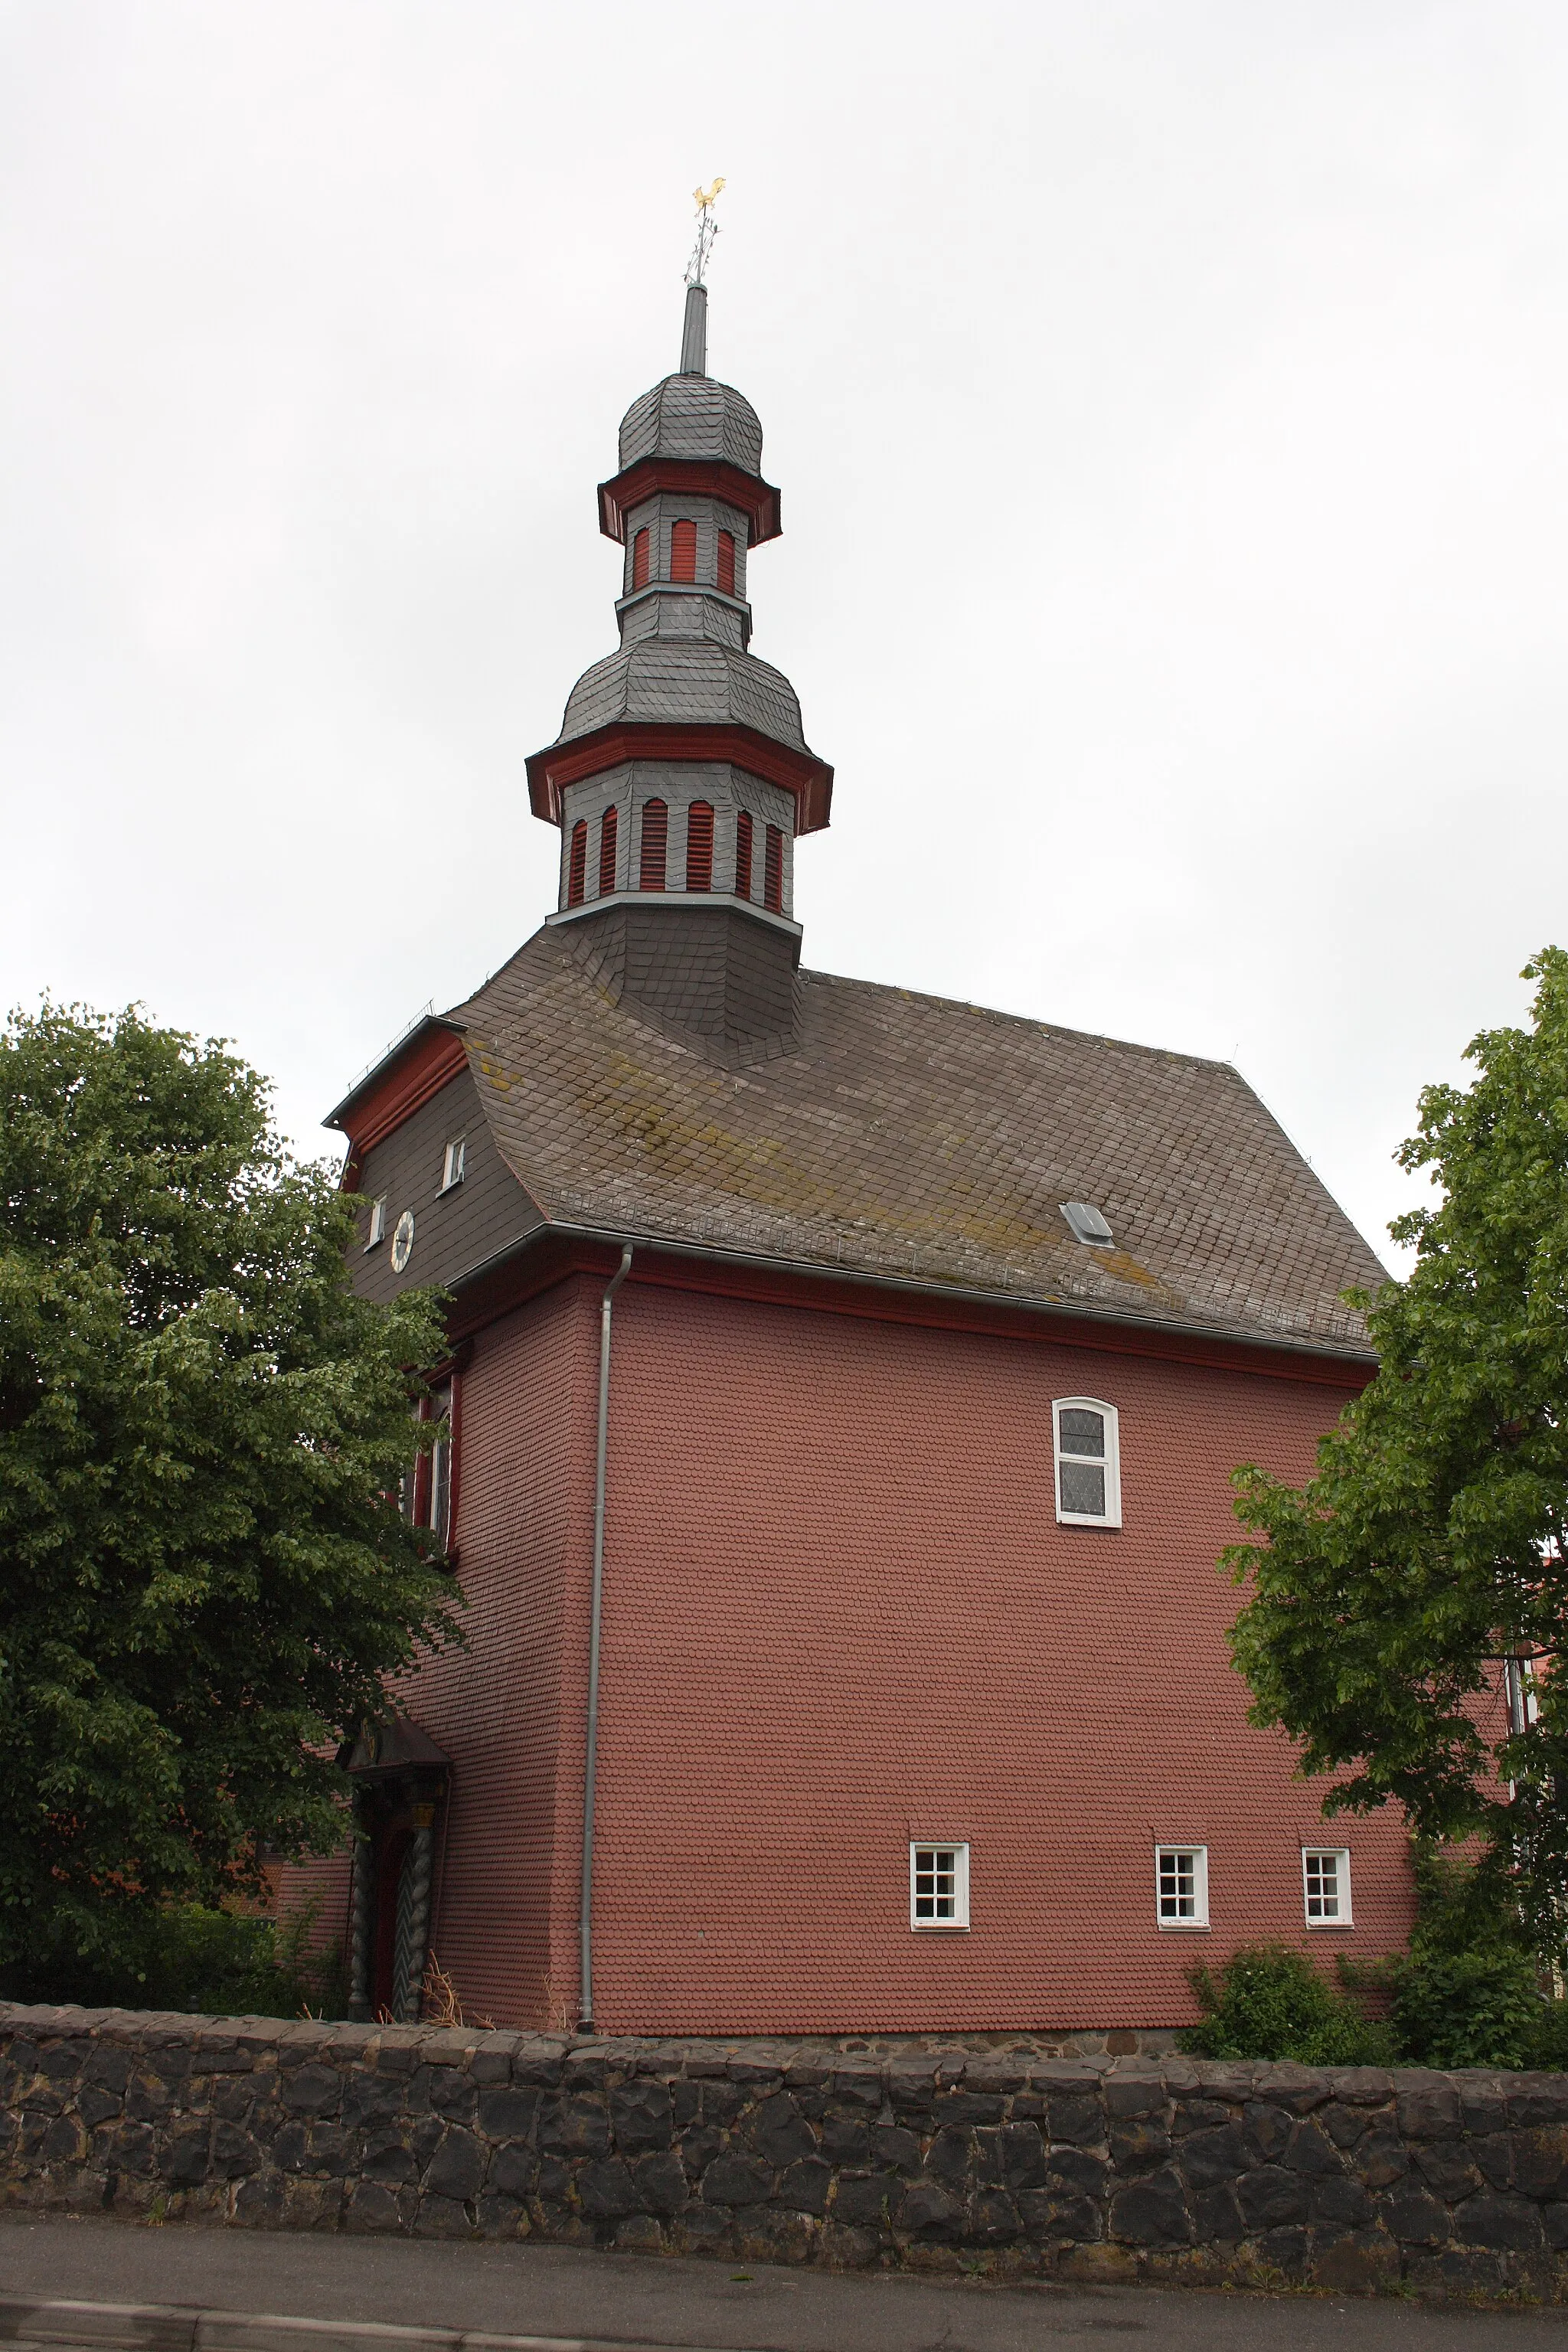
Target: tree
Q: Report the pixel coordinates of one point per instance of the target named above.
(206, 1578)
(1389, 1597)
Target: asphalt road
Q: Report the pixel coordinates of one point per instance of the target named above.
(559, 2291)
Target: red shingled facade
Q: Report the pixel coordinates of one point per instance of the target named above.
(840, 1614)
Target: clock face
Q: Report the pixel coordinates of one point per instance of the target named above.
(403, 1241)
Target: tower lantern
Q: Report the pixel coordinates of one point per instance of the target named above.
(681, 778)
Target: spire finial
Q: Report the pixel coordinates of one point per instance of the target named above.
(707, 230)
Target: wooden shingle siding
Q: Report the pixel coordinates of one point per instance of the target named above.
(454, 1231)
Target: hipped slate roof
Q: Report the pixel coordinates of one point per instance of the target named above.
(910, 1137)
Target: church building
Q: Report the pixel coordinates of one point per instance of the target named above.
(843, 1390)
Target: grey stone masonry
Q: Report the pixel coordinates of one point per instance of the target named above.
(1146, 2165)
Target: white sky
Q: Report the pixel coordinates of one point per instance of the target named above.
(1167, 397)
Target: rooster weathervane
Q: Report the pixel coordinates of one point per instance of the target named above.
(707, 230)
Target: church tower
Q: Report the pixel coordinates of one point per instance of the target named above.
(681, 778)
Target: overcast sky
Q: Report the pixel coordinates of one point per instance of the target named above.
(1168, 402)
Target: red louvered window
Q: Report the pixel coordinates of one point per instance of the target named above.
(609, 825)
(640, 560)
(577, 863)
(654, 842)
(742, 855)
(683, 551)
(727, 562)
(699, 847)
(772, 872)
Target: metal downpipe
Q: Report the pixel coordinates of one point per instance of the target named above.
(591, 1765)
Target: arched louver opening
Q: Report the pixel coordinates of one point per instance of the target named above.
(640, 560)
(609, 826)
(772, 872)
(577, 863)
(742, 855)
(683, 551)
(655, 844)
(727, 562)
(699, 847)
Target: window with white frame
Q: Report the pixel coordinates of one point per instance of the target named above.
(375, 1232)
(1088, 1463)
(1326, 1886)
(1182, 1885)
(452, 1163)
(938, 1885)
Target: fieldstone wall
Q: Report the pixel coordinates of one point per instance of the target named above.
(1103, 2168)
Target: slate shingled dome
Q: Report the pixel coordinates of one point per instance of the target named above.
(692, 416)
(684, 678)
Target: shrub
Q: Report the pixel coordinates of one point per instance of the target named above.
(1268, 2001)
(1469, 1992)
(188, 1956)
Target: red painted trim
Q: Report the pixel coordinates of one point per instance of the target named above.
(429, 1061)
(810, 780)
(712, 476)
(553, 1258)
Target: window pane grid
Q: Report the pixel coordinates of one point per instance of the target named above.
(1325, 1875)
(1180, 1885)
(936, 1883)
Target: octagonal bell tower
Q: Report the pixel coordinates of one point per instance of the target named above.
(681, 778)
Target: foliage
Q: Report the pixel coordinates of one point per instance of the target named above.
(216, 1963)
(202, 1431)
(1268, 2001)
(1430, 1542)
(1469, 1992)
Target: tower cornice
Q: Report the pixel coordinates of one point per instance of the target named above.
(800, 774)
(713, 478)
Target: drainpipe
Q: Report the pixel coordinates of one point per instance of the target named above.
(591, 1769)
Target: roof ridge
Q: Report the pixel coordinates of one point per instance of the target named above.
(1024, 1020)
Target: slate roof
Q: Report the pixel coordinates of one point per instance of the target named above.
(692, 416)
(684, 678)
(914, 1138)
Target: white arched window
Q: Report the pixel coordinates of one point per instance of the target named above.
(1088, 1463)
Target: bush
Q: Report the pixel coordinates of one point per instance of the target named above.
(213, 1963)
(1268, 2001)
(1469, 1991)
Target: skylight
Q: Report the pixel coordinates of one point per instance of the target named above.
(1088, 1224)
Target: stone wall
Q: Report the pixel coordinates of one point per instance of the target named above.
(1089, 2169)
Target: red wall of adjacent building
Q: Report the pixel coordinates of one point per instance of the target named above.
(839, 1614)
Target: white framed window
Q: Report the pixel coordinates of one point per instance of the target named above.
(1326, 1886)
(1088, 1463)
(452, 1165)
(1182, 1885)
(375, 1232)
(939, 1884)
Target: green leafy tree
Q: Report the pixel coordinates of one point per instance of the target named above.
(1388, 1598)
(206, 1577)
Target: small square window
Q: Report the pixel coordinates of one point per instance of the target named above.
(1088, 1463)
(1326, 1886)
(452, 1165)
(939, 1886)
(375, 1232)
(1182, 1885)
